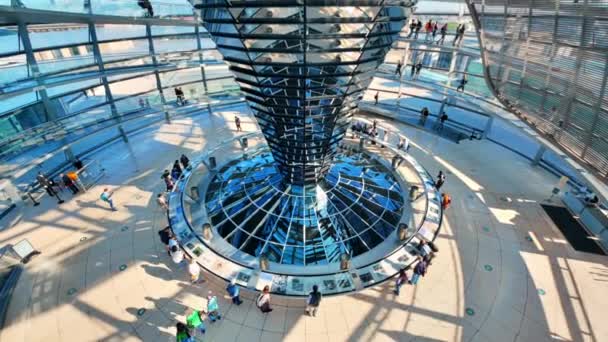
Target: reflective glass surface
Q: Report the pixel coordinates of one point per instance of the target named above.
(351, 211)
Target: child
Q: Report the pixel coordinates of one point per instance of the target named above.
(213, 308)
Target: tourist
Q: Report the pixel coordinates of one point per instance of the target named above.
(165, 235)
(412, 28)
(398, 69)
(184, 160)
(463, 81)
(435, 28)
(424, 114)
(195, 321)
(237, 123)
(440, 180)
(168, 180)
(446, 200)
(419, 270)
(263, 300)
(68, 183)
(401, 279)
(428, 28)
(443, 32)
(418, 27)
(147, 5)
(106, 196)
(213, 307)
(313, 301)
(176, 172)
(418, 69)
(182, 334)
(177, 255)
(162, 202)
(45, 183)
(442, 119)
(78, 164)
(234, 292)
(195, 271)
(413, 71)
(376, 98)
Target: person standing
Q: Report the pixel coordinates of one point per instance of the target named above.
(401, 279)
(162, 202)
(435, 28)
(384, 137)
(418, 68)
(195, 272)
(442, 119)
(67, 181)
(443, 32)
(440, 180)
(313, 301)
(184, 160)
(234, 292)
(419, 271)
(45, 183)
(398, 69)
(263, 300)
(413, 70)
(195, 321)
(424, 114)
(376, 97)
(182, 334)
(78, 164)
(106, 196)
(213, 307)
(177, 255)
(456, 34)
(165, 237)
(237, 123)
(168, 181)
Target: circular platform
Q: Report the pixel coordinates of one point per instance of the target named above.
(353, 210)
(232, 213)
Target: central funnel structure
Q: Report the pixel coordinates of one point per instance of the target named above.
(303, 66)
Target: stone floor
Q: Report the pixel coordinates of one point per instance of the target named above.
(503, 273)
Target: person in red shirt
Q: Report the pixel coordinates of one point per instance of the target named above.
(446, 200)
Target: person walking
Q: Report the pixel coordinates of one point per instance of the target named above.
(440, 180)
(234, 292)
(424, 114)
(398, 69)
(412, 28)
(78, 164)
(313, 301)
(418, 68)
(162, 202)
(446, 200)
(213, 308)
(463, 81)
(418, 27)
(237, 123)
(263, 300)
(401, 279)
(435, 28)
(456, 34)
(177, 255)
(428, 28)
(67, 181)
(384, 137)
(195, 272)
(184, 160)
(168, 181)
(195, 321)
(106, 196)
(443, 32)
(182, 334)
(413, 71)
(46, 184)
(419, 271)
(376, 97)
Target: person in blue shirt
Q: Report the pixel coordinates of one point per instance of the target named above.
(234, 292)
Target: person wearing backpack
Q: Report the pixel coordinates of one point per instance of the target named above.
(263, 300)
(234, 292)
(313, 301)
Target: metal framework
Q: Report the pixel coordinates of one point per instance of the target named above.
(303, 66)
(549, 59)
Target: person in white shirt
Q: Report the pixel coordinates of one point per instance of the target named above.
(162, 202)
(177, 255)
(195, 270)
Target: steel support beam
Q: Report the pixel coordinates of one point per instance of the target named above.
(104, 80)
(159, 85)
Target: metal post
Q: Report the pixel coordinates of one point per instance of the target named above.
(539, 155)
(488, 127)
(159, 85)
(104, 80)
(201, 61)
